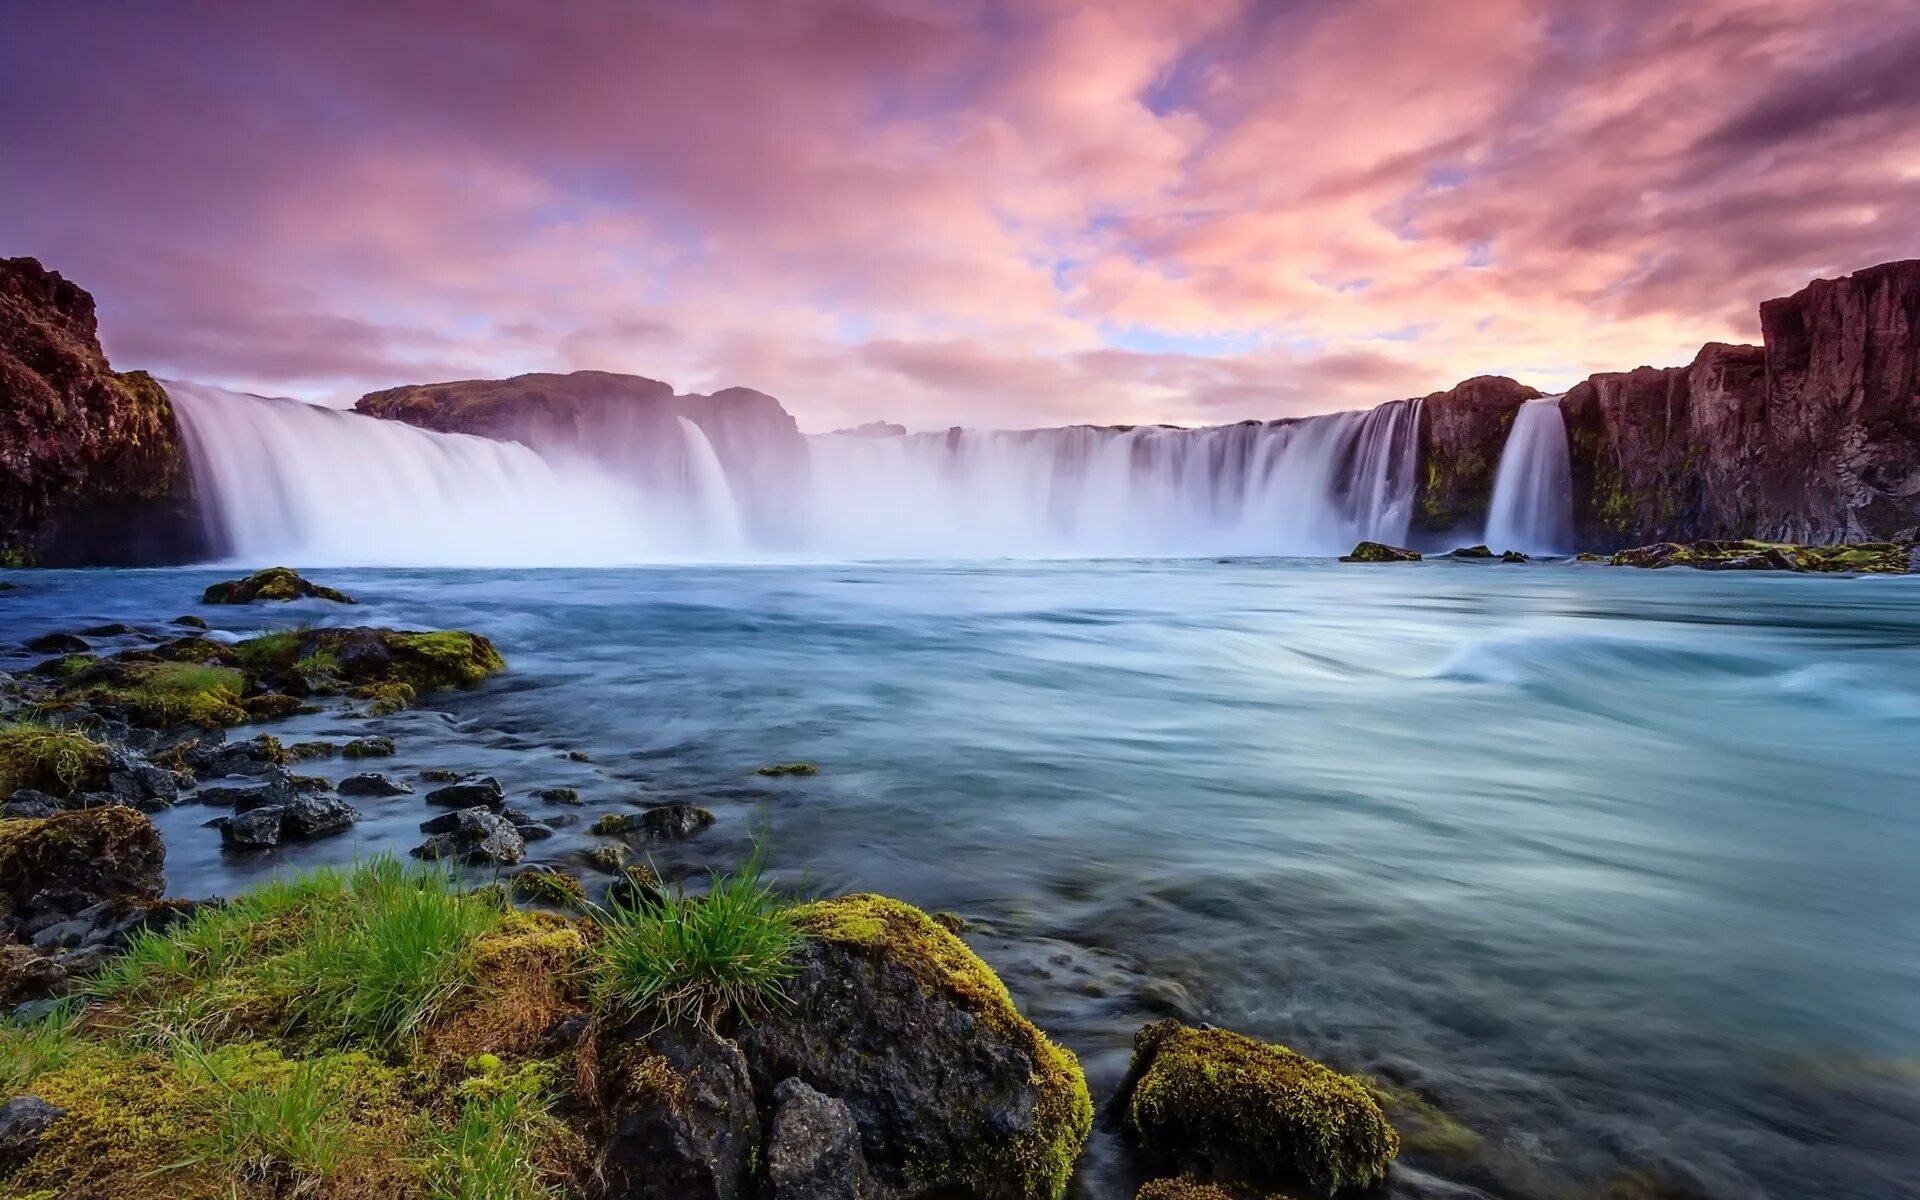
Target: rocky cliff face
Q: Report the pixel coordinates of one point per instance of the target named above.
(91, 465)
(626, 421)
(1462, 432)
(1812, 437)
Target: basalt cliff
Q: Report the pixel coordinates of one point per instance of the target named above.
(1812, 436)
(91, 466)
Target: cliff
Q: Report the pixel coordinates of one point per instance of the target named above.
(1813, 436)
(1461, 434)
(91, 465)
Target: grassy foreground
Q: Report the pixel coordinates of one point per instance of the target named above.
(368, 1032)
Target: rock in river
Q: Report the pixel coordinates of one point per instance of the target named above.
(373, 783)
(1216, 1102)
(952, 1089)
(484, 792)
(471, 835)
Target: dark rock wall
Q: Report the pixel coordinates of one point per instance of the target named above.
(91, 464)
(1461, 434)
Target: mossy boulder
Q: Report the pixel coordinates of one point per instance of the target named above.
(1224, 1105)
(1184, 1189)
(1880, 558)
(952, 1089)
(1379, 552)
(1478, 551)
(60, 865)
(274, 583)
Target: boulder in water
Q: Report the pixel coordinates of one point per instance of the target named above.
(274, 583)
(58, 643)
(1217, 1102)
(377, 746)
(1513, 556)
(1470, 552)
(1377, 552)
(953, 1091)
(666, 823)
(484, 792)
(254, 829)
(373, 783)
(471, 835)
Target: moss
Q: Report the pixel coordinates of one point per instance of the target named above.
(387, 698)
(377, 746)
(268, 705)
(1184, 1189)
(1423, 1126)
(59, 762)
(168, 694)
(107, 839)
(543, 885)
(446, 659)
(778, 770)
(1044, 1154)
(301, 751)
(1216, 1099)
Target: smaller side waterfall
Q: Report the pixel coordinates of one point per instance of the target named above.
(1532, 508)
(711, 493)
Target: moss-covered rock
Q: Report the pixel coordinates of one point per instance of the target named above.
(1224, 1104)
(1378, 552)
(780, 770)
(1884, 558)
(48, 759)
(951, 1087)
(274, 583)
(63, 864)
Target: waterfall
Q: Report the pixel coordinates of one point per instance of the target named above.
(1532, 507)
(1304, 487)
(294, 482)
(707, 486)
(289, 481)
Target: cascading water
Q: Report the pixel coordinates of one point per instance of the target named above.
(707, 487)
(1311, 487)
(1532, 507)
(317, 486)
(283, 480)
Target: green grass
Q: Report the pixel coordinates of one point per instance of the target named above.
(492, 1151)
(185, 691)
(29, 1048)
(272, 650)
(362, 957)
(56, 761)
(287, 1129)
(699, 958)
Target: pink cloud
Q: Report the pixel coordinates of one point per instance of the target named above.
(948, 211)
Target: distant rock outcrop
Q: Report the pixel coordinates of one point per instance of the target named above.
(1462, 432)
(91, 465)
(625, 420)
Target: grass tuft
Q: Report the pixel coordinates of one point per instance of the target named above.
(492, 1151)
(699, 957)
(31, 1048)
(362, 957)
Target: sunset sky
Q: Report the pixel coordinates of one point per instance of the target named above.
(936, 212)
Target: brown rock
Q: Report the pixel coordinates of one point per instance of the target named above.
(91, 465)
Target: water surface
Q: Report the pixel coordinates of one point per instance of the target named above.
(1614, 867)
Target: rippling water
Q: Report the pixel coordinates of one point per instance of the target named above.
(1615, 868)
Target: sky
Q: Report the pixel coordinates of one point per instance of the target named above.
(936, 212)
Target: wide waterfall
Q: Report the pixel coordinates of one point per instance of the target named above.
(284, 480)
(1306, 487)
(1532, 507)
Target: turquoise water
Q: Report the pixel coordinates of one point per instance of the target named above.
(1615, 867)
